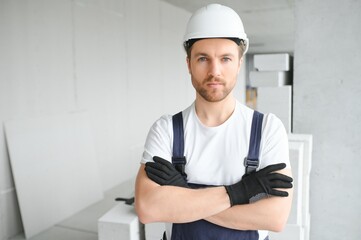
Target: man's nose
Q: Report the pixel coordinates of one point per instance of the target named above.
(215, 68)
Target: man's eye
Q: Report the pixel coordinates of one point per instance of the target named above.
(226, 59)
(202, 59)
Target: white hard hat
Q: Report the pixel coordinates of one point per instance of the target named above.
(215, 21)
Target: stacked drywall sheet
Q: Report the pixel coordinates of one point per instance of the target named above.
(269, 78)
(154, 231)
(54, 167)
(272, 77)
(291, 232)
(120, 223)
(276, 100)
(272, 62)
(298, 225)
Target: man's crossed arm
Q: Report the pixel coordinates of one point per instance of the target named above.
(167, 197)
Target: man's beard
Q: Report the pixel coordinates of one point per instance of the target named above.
(212, 95)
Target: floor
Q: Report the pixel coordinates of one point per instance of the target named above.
(84, 225)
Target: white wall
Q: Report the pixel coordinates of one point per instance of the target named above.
(327, 97)
(121, 60)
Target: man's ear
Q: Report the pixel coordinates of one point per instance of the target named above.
(240, 63)
(188, 64)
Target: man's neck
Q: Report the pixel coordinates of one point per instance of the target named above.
(213, 114)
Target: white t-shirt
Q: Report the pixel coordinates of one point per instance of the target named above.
(215, 154)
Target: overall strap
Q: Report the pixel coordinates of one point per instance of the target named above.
(178, 158)
(251, 162)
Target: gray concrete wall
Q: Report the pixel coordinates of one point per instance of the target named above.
(327, 98)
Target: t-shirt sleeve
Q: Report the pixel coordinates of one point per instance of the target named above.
(274, 143)
(158, 142)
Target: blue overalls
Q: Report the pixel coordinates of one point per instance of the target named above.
(201, 229)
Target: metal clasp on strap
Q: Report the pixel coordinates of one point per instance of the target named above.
(179, 163)
(250, 164)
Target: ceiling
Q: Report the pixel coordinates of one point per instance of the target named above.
(269, 24)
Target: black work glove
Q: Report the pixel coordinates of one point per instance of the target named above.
(258, 185)
(163, 172)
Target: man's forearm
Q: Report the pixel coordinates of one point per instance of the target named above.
(267, 214)
(156, 203)
(263, 214)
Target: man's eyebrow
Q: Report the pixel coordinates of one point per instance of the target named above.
(200, 54)
(206, 55)
(228, 55)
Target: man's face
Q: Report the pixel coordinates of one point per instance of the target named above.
(214, 65)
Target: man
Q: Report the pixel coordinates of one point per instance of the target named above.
(211, 195)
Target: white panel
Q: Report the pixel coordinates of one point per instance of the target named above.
(40, 79)
(54, 168)
(272, 62)
(307, 226)
(36, 76)
(176, 88)
(7, 26)
(35, 63)
(143, 67)
(269, 78)
(307, 141)
(102, 84)
(6, 179)
(296, 157)
(290, 232)
(276, 100)
(120, 223)
(2, 232)
(10, 219)
(154, 231)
